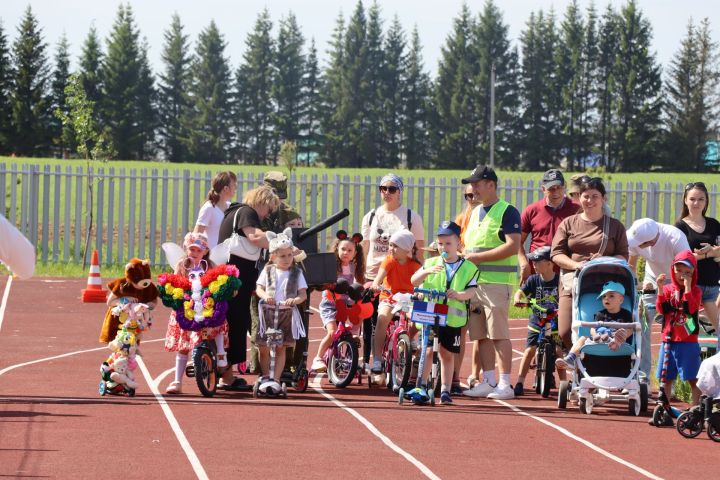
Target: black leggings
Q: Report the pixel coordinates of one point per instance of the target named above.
(238, 316)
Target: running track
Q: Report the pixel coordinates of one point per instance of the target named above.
(53, 423)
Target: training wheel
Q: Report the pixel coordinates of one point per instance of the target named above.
(431, 394)
(102, 388)
(256, 389)
(401, 396)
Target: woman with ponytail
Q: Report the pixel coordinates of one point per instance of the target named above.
(223, 190)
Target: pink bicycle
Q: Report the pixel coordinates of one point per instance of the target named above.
(397, 351)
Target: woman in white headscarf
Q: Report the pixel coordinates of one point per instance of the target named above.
(377, 227)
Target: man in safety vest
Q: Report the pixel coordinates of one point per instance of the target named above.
(491, 240)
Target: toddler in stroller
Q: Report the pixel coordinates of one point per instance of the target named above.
(606, 354)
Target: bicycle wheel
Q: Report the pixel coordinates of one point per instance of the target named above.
(344, 363)
(546, 369)
(205, 374)
(539, 361)
(401, 364)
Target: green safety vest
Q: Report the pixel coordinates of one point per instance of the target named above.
(457, 310)
(483, 236)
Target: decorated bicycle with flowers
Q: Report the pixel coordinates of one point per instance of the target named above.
(200, 306)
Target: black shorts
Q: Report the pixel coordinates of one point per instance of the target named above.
(449, 338)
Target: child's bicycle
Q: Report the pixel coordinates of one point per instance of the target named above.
(204, 367)
(431, 323)
(545, 353)
(691, 422)
(397, 350)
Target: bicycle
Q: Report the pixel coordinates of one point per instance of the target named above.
(546, 351)
(204, 367)
(431, 322)
(397, 350)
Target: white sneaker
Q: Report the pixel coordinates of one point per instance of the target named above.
(480, 390)
(502, 393)
(318, 365)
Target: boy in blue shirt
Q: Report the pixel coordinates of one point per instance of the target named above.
(541, 292)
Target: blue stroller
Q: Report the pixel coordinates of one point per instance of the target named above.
(602, 375)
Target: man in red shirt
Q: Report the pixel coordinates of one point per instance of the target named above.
(540, 220)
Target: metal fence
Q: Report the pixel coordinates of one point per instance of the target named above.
(136, 210)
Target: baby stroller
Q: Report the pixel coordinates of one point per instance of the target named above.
(603, 375)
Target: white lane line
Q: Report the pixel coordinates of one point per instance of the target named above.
(588, 444)
(13, 367)
(184, 443)
(3, 305)
(315, 384)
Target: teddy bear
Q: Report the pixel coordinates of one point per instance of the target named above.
(135, 287)
(122, 374)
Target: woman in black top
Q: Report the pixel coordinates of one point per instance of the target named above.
(703, 234)
(257, 205)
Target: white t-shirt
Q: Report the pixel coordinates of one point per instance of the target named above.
(378, 234)
(210, 217)
(282, 279)
(660, 256)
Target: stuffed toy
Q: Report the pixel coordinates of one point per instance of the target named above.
(135, 287)
(122, 374)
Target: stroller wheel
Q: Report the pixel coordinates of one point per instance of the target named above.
(690, 423)
(713, 432)
(563, 393)
(644, 397)
(585, 405)
(633, 407)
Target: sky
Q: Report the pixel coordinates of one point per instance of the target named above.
(235, 19)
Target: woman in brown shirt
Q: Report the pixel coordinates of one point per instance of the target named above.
(579, 238)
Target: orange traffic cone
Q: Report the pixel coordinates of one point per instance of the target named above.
(94, 292)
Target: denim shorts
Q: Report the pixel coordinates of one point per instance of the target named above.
(709, 292)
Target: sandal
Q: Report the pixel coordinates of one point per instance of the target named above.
(174, 388)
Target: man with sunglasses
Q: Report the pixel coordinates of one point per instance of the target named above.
(492, 240)
(540, 220)
(463, 218)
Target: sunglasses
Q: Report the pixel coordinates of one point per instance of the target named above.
(692, 185)
(391, 189)
(469, 196)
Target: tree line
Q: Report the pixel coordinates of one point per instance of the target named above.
(579, 90)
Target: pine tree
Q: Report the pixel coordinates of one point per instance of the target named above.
(571, 68)
(539, 93)
(62, 136)
(121, 82)
(207, 122)
(415, 141)
(353, 107)
(287, 88)
(333, 121)
(638, 86)
(173, 91)
(692, 103)
(6, 87)
(588, 88)
(372, 141)
(30, 99)
(391, 93)
(455, 97)
(256, 73)
(90, 70)
(605, 85)
(491, 46)
(310, 143)
(147, 114)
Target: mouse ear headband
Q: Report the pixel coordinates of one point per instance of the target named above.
(343, 235)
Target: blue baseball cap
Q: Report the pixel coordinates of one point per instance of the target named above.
(612, 287)
(448, 227)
